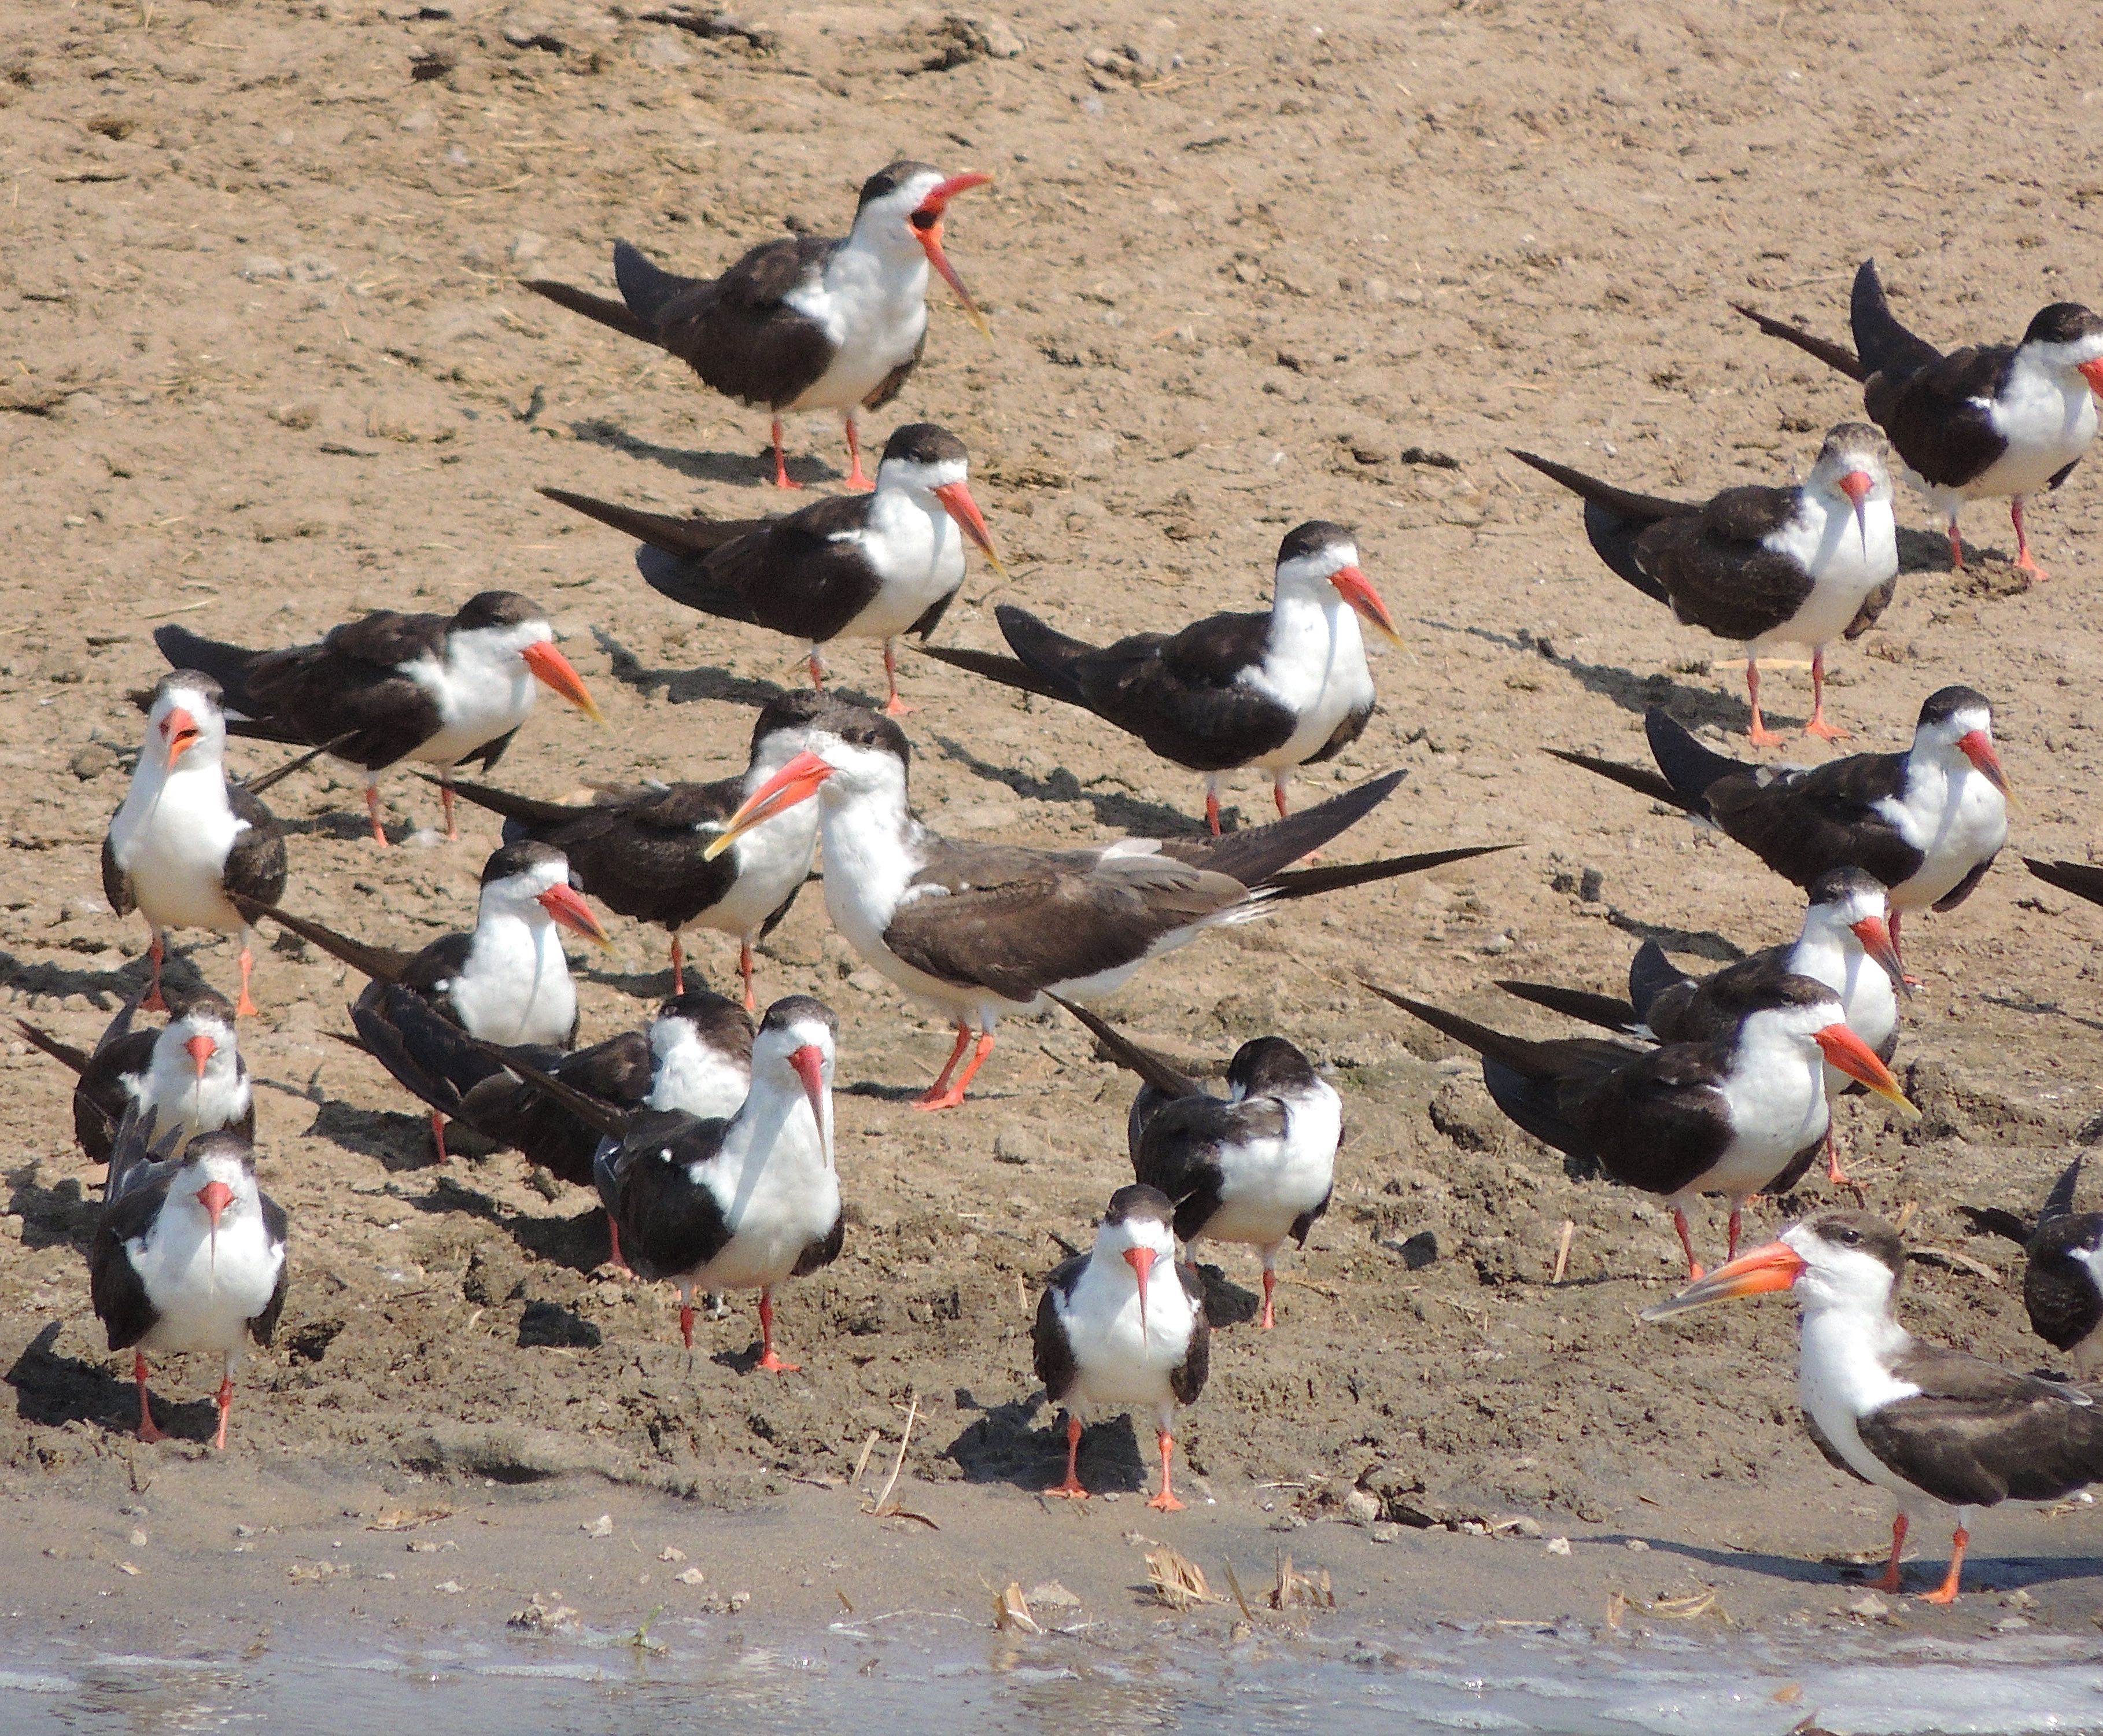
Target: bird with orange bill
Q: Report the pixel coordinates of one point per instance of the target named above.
(984, 930)
(868, 566)
(1739, 1114)
(1122, 1328)
(1271, 691)
(188, 841)
(1943, 1433)
(803, 322)
(436, 689)
(1928, 823)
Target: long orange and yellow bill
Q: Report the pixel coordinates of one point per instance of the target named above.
(797, 782)
(1761, 1271)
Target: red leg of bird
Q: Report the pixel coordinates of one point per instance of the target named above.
(1956, 547)
(1686, 1241)
(446, 808)
(1759, 735)
(438, 1133)
(686, 1323)
(679, 969)
(156, 950)
(1212, 806)
(147, 1432)
(1071, 1489)
(1270, 1284)
(2024, 564)
(1818, 726)
(1736, 1217)
(856, 478)
(1166, 1500)
(893, 706)
(1946, 1592)
(225, 1410)
(926, 1098)
(950, 1098)
(745, 971)
(1906, 976)
(780, 465)
(613, 1243)
(817, 670)
(1278, 791)
(767, 1360)
(245, 1006)
(1890, 1581)
(372, 810)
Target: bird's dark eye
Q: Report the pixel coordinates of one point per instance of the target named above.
(925, 220)
(1851, 1238)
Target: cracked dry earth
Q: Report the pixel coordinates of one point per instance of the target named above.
(267, 363)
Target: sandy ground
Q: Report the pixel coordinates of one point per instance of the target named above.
(267, 363)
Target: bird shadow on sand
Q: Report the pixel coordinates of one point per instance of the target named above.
(1138, 819)
(2039, 1009)
(44, 976)
(1000, 1445)
(683, 687)
(52, 1389)
(1983, 1574)
(1700, 943)
(745, 469)
(1226, 1303)
(579, 1243)
(396, 1142)
(59, 1216)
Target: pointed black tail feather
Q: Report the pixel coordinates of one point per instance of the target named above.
(1044, 649)
(1304, 883)
(1688, 765)
(1515, 1052)
(693, 535)
(1602, 1010)
(2084, 879)
(1256, 856)
(2059, 1203)
(646, 286)
(530, 814)
(606, 312)
(1641, 779)
(230, 665)
(1010, 672)
(257, 786)
(1838, 357)
(1885, 345)
(609, 1121)
(1651, 974)
(75, 1058)
(1156, 1069)
(1614, 519)
(1994, 1220)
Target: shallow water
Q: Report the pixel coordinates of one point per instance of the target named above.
(919, 1674)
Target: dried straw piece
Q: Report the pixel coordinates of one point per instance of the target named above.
(1178, 1581)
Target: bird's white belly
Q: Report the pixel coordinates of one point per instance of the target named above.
(875, 327)
(1846, 565)
(483, 712)
(2047, 428)
(1838, 1378)
(1777, 1108)
(205, 1302)
(773, 859)
(515, 987)
(175, 853)
(1118, 1368)
(771, 1228)
(1953, 835)
(918, 558)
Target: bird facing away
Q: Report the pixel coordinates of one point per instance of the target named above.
(1257, 1168)
(1940, 1431)
(802, 322)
